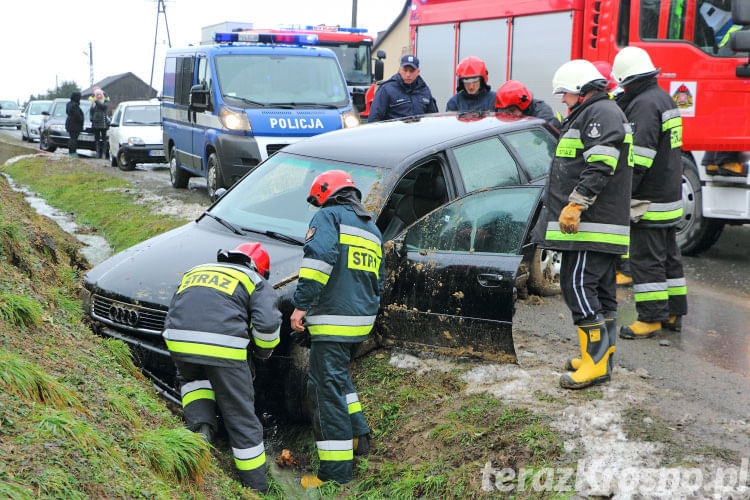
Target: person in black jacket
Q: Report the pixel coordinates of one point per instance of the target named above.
(98, 116)
(207, 332)
(659, 286)
(404, 94)
(472, 92)
(74, 122)
(514, 98)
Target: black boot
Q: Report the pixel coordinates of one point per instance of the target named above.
(207, 432)
(362, 445)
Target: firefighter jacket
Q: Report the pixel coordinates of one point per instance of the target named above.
(657, 138)
(395, 99)
(341, 275)
(592, 167)
(483, 100)
(213, 312)
(540, 109)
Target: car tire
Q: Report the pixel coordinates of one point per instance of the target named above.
(214, 178)
(695, 233)
(178, 177)
(24, 137)
(44, 144)
(295, 384)
(123, 163)
(544, 272)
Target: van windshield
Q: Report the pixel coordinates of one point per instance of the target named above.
(249, 80)
(274, 196)
(355, 62)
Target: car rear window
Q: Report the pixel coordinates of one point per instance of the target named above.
(485, 164)
(535, 148)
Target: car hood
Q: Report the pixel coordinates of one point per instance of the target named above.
(149, 272)
(151, 134)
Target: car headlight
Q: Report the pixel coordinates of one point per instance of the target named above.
(234, 120)
(349, 119)
(57, 128)
(136, 141)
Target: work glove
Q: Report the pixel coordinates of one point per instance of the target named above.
(570, 217)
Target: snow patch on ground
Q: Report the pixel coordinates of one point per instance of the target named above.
(16, 159)
(160, 205)
(404, 361)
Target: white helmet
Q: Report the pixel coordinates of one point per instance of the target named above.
(574, 75)
(631, 63)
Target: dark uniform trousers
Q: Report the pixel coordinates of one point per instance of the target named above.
(202, 387)
(659, 287)
(336, 411)
(587, 282)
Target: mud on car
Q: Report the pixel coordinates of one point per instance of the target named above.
(455, 196)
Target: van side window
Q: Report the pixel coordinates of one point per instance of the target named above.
(204, 77)
(185, 71)
(170, 70)
(623, 24)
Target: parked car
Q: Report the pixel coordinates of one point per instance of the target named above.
(10, 114)
(135, 134)
(31, 119)
(52, 133)
(456, 195)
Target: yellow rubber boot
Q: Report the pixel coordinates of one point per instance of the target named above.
(594, 368)
(640, 330)
(674, 323)
(572, 364)
(623, 279)
(310, 481)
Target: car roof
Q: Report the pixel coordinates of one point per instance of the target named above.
(154, 102)
(389, 144)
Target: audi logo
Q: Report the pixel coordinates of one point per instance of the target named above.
(121, 314)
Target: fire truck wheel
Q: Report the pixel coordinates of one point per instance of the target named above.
(695, 233)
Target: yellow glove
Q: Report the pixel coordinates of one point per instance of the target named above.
(570, 217)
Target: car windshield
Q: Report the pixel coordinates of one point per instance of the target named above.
(355, 61)
(274, 196)
(251, 80)
(59, 109)
(36, 108)
(8, 105)
(142, 115)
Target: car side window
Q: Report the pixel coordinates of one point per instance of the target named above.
(486, 163)
(491, 221)
(535, 147)
(116, 118)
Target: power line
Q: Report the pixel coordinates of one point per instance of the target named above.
(161, 8)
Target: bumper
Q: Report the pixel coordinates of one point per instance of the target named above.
(10, 122)
(240, 154)
(61, 139)
(150, 153)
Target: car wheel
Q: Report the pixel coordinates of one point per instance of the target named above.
(544, 272)
(44, 144)
(295, 384)
(694, 232)
(24, 137)
(123, 162)
(214, 179)
(177, 176)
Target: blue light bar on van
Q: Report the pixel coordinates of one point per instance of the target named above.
(265, 38)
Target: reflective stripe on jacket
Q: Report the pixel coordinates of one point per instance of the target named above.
(341, 275)
(593, 158)
(213, 311)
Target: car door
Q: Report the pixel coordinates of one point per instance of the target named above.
(115, 130)
(201, 119)
(451, 275)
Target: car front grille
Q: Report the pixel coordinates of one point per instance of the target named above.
(272, 148)
(128, 316)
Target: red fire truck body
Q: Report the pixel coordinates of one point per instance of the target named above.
(528, 40)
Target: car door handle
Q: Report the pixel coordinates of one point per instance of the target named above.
(490, 280)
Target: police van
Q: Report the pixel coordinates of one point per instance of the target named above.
(226, 107)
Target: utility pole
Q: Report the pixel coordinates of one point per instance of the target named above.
(354, 13)
(160, 9)
(91, 64)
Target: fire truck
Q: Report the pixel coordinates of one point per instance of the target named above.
(353, 48)
(700, 45)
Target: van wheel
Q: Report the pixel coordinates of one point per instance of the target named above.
(295, 384)
(214, 179)
(694, 232)
(123, 162)
(177, 176)
(544, 272)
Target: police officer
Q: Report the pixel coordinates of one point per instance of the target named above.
(514, 98)
(338, 295)
(207, 333)
(658, 279)
(472, 92)
(402, 95)
(587, 203)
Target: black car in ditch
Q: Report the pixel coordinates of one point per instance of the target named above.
(455, 197)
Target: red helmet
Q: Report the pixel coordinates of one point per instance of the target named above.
(327, 184)
(469, 67)
(254, 252)
(606, 71)
(513, 93)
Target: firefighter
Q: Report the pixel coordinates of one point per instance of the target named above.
(658, 280)
(338, 295)
(207, 333)
(402, 95)
(473, 93)
(514, 98)
(587, 200)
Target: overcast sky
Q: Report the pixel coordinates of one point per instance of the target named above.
(45, 39)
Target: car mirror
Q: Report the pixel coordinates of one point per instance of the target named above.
(114, 124)
(379, 70)
(45, 113)
(381, 54)
(198, 98)
(218, 194)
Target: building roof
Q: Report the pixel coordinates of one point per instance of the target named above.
(105, 82)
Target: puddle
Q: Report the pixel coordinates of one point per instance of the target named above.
(95, 248)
